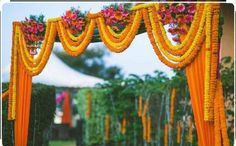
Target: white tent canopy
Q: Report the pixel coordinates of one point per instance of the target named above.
(57, 73)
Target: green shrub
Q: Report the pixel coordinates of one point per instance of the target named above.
(41, 115)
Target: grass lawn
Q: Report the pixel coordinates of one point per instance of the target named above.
(62, 143)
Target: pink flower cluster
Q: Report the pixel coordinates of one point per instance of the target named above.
(33, 30)
(60, 97)
(116, 15)
(74, 20)
(177, 16)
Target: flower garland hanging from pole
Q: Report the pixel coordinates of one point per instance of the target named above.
(172, 106)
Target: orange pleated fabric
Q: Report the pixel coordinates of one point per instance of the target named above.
(24, 85)
(66, 118)
(195, 78)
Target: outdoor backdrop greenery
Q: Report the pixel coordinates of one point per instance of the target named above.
(42, 111)
(119, 98)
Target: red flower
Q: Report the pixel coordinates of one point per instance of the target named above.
(40, 27)
(182, 30)
(125, 13)
(121, 7)
(172, 31)
(176, 39)
(172, 8)
(108, 12)
(167, 19)
(180, 8)
(74, 16)
(188, 18)
(69, 14)
(191, 8)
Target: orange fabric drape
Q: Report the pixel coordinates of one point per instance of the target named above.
(66, 118)
(195, 77)
(24, 85)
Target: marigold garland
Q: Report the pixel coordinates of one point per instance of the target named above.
(172, 106)
(5, 95)
(72, 40)
(198, 17)
(214, 57)
(117, 37)
(140, 106)
(34, 68)
(188, 52)
(13, 78)
(145, 108)
(217, 130)
(190, 129)
(149, 129)
(107, 127)
(142, 6)
(48, 38)
(207, 86)
(178, 132)
(183, 47)
(223, 127)
(88, 103)
(208, 27)
(124, 44)
(166, 135)
(74, 51)
(157, 51)
(144, 123)
(123, 126)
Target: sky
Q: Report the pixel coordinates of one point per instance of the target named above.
(138, 59)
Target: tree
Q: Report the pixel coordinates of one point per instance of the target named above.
(92, 62)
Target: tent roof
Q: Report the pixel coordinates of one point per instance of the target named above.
(57, 73)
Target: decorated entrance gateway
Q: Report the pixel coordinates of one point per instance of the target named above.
(197, 51)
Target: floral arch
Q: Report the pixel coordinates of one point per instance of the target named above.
(198, 53)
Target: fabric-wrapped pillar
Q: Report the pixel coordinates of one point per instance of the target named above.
(23, 98)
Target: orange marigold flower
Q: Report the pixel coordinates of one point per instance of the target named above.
(118, 15)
